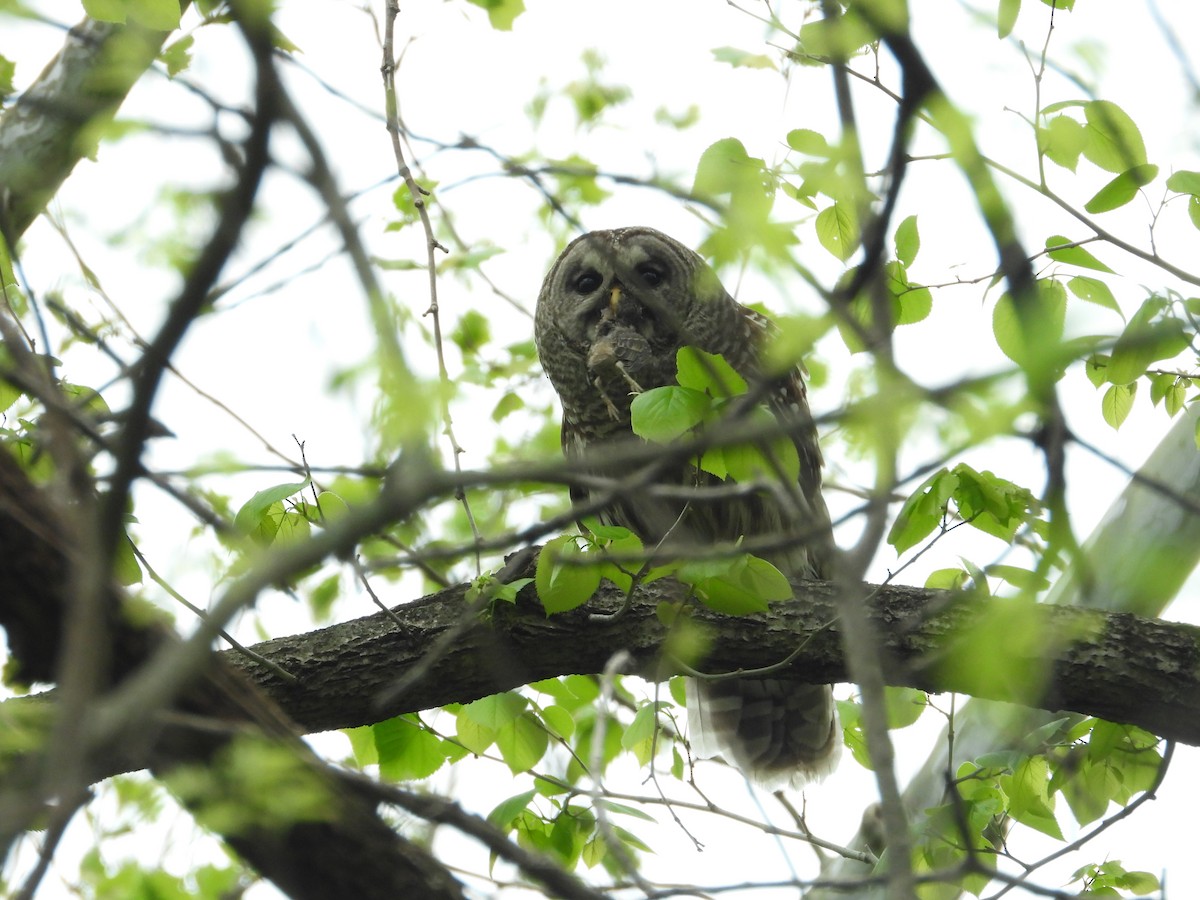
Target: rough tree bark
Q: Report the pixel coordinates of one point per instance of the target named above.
(349, 852)
(42, 136)
(1120, 667)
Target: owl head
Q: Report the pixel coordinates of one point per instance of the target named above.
(614, 309)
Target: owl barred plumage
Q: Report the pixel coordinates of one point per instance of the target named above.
(613, 311)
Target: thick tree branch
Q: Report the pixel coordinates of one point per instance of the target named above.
(1117, 666)
(43, 135)
(351, 851)
(1120, 667)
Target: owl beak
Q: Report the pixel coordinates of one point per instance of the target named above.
(614, 300)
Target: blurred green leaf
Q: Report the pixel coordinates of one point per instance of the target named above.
(1060, 249)
(907, 240)
(1113, 141)
(1006, 17)
(1121, 189)
(501, 13)
(742, 59)
(1062, 141)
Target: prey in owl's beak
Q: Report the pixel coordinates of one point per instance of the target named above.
(605, 357)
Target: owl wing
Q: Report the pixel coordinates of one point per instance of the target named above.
(786, 397)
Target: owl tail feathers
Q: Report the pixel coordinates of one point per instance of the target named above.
(779, 733)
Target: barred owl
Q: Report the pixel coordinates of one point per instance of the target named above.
(612, 313)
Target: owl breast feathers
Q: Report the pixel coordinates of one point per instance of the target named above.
(613, 312)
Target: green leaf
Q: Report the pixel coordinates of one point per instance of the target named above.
(126, 568)
(1062, 140)
(472, 333)
(1006, 17)
(1184, 182)
(321, 598)
(565, 579)
(767, 580)
(742, 59)
(736, 585)
(114, 11)
(678, 121)
(522, 743)
(249, 518)
(946, 579)
(1176, 397)
(809, 142)
(915, 303)
(1151, 335)
(506, 405)
(607, 532)
(1121, 189)
(1113, 141)
(470, 260)
(623, 810)
(362, 745)
(992, 504)
(1096, 369)
(777, 461)
(7, 70)
(904, 706)
(837, 230)
(639, 736)
(506, 811)
(1159, 385)
(1093, 290)
(1032, 340)
(1117, 402)
(850, 714)
(560, 722)
(631, 840)
(726, 168)
(495, 711)
(159, 15)
(406, 751)
(1075, 255)
(708, 373)
(908, 241)
(501, 13)
(177, 56)
(1030, 802)
(333, 508)
(473, 735)
(1018, 577)
(666, 413)
(840, 37)
(922, 511)
(728, 597)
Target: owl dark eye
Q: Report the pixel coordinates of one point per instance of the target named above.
(651, 276)
(587, 282)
